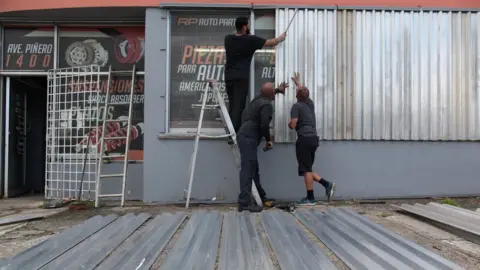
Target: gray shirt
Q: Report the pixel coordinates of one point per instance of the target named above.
(304, 111)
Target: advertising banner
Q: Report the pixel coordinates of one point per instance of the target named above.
(121, 47)
(28, 49)
(197, 55)
(77, 115)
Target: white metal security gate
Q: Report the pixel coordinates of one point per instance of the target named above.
(72, 131)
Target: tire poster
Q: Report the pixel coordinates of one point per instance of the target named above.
(120, 47)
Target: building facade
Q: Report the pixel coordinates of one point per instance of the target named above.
(396, 88)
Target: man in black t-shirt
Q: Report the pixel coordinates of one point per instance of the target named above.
(239, 50)
(304, 121)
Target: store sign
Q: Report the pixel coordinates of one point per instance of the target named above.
(28, 49)
(121, 47)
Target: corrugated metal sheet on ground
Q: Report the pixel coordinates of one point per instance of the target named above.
(19, 218)
(363, 244)
(291, 244)
(140, 251)
(28, 215)
(43, 253)
(242, 245)
(462, 211)
(136, 241)
(197, 245)
(383, 75)
(463, 222)
(97, 247)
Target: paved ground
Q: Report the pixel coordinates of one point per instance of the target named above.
(16, 238)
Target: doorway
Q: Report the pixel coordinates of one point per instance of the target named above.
(25, 135)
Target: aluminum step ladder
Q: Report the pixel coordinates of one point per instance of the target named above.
(105, 140)
(230, 132)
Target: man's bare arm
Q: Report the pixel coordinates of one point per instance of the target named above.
(276, 41)
(293, 123)
(296, 80)
(294, 112)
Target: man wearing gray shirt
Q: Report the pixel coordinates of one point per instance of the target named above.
(303, 120)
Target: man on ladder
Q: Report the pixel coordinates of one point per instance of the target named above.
(239, 50)
(255, 126)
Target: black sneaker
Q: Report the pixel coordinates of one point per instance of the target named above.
(306, 202)
(330, 190)
(253, 208)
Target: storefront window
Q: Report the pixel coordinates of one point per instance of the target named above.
(197, 55)
(118, 47)
(265, 58)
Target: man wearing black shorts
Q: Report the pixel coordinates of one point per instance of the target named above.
(239, 50)
(303, 120)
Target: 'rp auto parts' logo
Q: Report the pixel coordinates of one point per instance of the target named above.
(129, 50)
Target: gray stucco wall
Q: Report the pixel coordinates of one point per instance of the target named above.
(134, 184)
(133, 189)
(362, 169)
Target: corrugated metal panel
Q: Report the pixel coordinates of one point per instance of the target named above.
(242, 246)
(49, 250)
(310, 49)
(97, 247)
(110, 243)
(140, 251)
(385, 75)
(362, 244)
(292, 246)
(381, 236)
(197, 245)
(463, 212)
(20, 218)
(463, 223)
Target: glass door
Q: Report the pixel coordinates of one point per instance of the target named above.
(15, 138)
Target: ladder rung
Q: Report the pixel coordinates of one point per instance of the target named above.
(110, 157)
(214, 136)
(207, 106)
(115, 120)
(122, 72)
(119, 103)
(115, 138)
(109, 195)
(111, 175)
